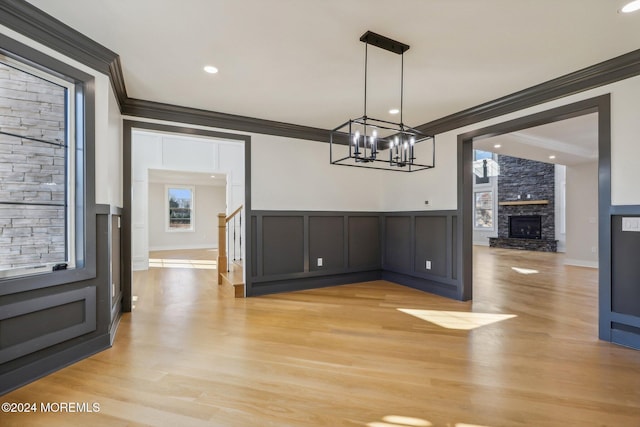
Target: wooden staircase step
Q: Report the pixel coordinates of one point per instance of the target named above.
(233, 278)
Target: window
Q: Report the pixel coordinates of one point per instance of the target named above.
(483, 207)
(180, 208)
(37, 171)
(482, 155)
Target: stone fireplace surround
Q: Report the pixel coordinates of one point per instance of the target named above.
(526, 187)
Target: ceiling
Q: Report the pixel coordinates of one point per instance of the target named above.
(571, 142)
(301, 62)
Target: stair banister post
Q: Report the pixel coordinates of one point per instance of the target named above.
(222, 245)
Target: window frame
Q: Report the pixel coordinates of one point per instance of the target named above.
(192, 208)
(85, 208)
(491, 186)
(70, 175)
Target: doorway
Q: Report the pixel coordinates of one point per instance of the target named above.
(599, 105)
(203, 151)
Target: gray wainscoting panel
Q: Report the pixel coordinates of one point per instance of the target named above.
(625, 287)
(254, 247)
(430, 244)
(283, 244)
(397, 238)
(364, 242)
(326, 241)
(287, 245)
(29, 326)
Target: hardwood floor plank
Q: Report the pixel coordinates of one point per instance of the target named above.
(192, 355)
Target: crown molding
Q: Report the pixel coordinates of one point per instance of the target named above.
(32, 22)
(176, 113)
(35, 24)
(603, 73)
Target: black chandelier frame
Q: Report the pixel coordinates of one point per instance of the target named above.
(361, 134)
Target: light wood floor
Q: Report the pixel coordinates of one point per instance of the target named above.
(192, 355)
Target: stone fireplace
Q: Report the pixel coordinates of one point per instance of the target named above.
(526, 205)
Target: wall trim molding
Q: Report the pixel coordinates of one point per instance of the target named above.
(581, 263)
(34, 23)
(604, 73)
(194, 116)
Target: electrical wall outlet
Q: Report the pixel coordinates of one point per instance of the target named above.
(428, 265)
(319, 262)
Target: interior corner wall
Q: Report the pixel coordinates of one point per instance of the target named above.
(295, 175)
(109, 168)
(427, 190)
(209, 201)
(582, 215)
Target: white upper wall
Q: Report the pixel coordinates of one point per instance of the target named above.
(294, 174)
(108, 144)
(582, 215)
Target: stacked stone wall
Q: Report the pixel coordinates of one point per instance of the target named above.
(32, 170)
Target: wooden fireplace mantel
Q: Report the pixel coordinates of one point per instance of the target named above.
(524, 202)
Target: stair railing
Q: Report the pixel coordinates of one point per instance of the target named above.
(229, 239)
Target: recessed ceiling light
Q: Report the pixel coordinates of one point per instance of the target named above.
(394, 111)
(632, 6)
(210, 69)
(213, 176)
(497, 146)
(552, 157)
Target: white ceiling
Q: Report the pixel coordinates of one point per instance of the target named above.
(301, 61)
(572, 141)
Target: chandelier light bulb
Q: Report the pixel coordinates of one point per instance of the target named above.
(356, 137)
(412, 140)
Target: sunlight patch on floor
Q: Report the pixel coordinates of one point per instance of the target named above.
(457, 319)
(203, 264)
(524, 270)
(401, 421)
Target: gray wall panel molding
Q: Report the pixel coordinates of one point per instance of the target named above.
(345, 233)
(303, 283)
(194, 116)
(87, 295)
(50, 363)
(625, 210)
(431, 286)
(603, 73)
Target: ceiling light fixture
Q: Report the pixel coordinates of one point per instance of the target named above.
(210, 69)
(497, 146)
(394, 111)
(552, 157)
(631, 7)
(361, 142)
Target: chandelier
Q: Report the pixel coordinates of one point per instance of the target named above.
(381, 144)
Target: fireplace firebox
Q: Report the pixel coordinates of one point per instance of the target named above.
(525, 227)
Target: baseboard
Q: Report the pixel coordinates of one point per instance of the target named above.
(24, 375)
(183, 247)
(304, 283)
(581, 263)
(425, 285)
(140, 264)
